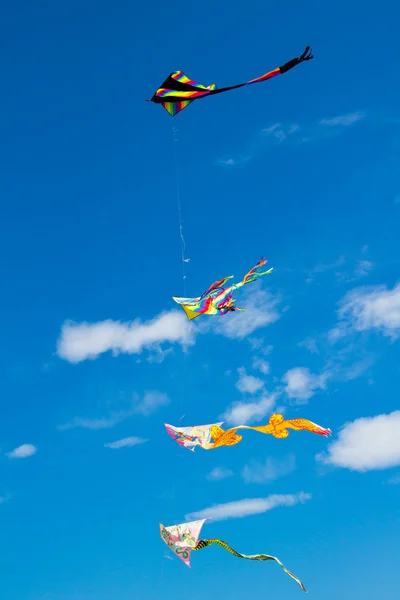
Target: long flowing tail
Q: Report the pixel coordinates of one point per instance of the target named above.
(254, 273)
(204, 543)
(307, 55)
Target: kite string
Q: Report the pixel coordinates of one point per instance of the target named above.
(183, 244)
(178, 199)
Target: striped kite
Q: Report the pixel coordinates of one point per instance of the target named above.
(178, 90)
(217, 300)
(213, 436)
(184, 539)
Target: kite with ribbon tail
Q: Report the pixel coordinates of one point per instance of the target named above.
(183, 539)
(178, 90)
(217, 300)
(213, 436)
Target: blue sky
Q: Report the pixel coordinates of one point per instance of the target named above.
(302, 169)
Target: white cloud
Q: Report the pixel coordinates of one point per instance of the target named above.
(233, 162)
(370, 308)
(269, 470)
(150, 402)
(23, 451)
(248, 506)
(310, 344)
(368, 443)
(82, 341)
(219, 473)
(241, 413)
(343, 120)
(323, 267)
(100, 423)
(248, 384)
(363, 267)
(125, 443)
(301, 384)
(280, 132)
(260, 310)
(261, 365)
(356, 369)
(256, 343)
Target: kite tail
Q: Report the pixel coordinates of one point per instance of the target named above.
(256, 272)
(204, 543)
(307, 55)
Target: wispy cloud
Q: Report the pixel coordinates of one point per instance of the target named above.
(23, 451)
(261, 365)
(248, 384)
(343, 120)
(322, 267)
(219, 473)
(363, 268)
(368, 308)
(366, 444)
(261, 309)
(300, 384)
(269, 470)
(234, 162)
(125, 443)
(248, 506)
(82, 341)
(310, 344)
(395, 480)
(148, 404)
(282, 134)
(241, 413)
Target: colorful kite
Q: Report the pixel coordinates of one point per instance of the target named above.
(217, 300)
(212, 436)
(178, 90)
(183, 539)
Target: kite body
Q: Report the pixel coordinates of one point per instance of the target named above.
(217, 299)
(183, 539)
(178, 90)
(213, 436)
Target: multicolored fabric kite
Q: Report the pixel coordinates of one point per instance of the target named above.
(217, 300)
(184, 539)
(213, 436)
(178, 90)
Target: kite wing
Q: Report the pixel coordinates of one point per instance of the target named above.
(190, 437)
(182, 539)
(178, 90)
(204, 543)
(194, 307)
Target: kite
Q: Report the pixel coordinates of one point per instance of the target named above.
(213, 436)
(183, 539)
(178, 90)
(217, 300)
